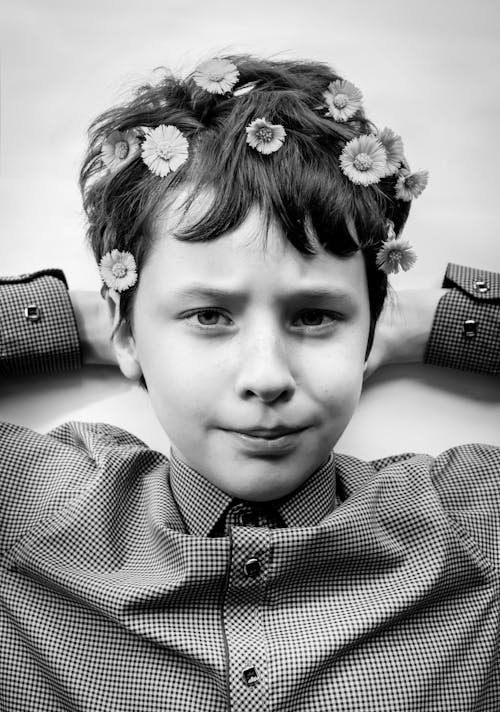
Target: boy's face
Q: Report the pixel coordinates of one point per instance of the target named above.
(252, 352)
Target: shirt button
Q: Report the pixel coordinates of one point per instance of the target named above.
(252, 568)
(481, 286)
(251, 676)
(470, 328)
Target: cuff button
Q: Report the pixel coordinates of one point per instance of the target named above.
(32, 312)
(470, 328)
(481, 286)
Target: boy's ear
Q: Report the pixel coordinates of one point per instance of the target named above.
(122, 340)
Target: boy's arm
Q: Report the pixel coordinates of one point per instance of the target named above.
(457, 326)
(45, 329)
(94, 327)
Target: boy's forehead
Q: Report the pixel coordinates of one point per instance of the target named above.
(256, 253)
(242, 261)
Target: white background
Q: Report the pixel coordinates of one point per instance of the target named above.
(428, 69)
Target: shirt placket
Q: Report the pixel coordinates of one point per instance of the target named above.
(244, 610)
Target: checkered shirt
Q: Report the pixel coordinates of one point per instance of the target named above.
(130, 583)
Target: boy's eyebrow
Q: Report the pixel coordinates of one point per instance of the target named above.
(200, 291)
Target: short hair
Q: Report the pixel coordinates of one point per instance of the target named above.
(300, 187)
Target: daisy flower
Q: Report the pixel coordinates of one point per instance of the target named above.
(216, 76)
(119, 148)
(410, 185)
(118, 270)
(364, 160)
(164, 149)
(395, 254)
(343, 100)
(393, 146)
(265, 137)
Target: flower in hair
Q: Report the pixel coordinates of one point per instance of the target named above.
(393, 146)
(364, 160)
(119, 149)
(265, 137)
(118, 270)
(411, 185)
(164, 149)
(343, 100)
(395, 254)
(216, 76)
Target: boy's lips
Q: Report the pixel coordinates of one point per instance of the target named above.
(269, 432)
(267, 441)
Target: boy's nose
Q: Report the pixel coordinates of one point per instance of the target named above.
(264, 371)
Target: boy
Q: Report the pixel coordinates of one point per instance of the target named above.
(257, 569)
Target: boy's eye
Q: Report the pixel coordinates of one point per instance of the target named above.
(315, 317)
(208, 317)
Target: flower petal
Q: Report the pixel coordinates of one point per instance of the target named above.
(164, 149)
(393, 145)
(118, 270)
(264, 136)
(343, 100)
(363, 160)
(395, 254)
(411, 185)
(217, 76)
(119, 149)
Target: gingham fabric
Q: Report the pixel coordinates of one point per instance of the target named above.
(470, 318)
(388, 602)
(43, 339)
(130, 583)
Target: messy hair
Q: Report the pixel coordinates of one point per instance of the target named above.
(301, 187)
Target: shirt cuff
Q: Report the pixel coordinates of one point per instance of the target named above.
(38, 332)
(465, 332)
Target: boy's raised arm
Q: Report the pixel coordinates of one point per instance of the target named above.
(94, 327)
(465, 332)
(38, 332)
(457, 326)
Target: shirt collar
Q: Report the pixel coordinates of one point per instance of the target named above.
(202, 504)
(313, 501)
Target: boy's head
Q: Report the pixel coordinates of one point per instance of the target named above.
(258, 288)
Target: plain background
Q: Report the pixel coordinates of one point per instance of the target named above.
(428, 69)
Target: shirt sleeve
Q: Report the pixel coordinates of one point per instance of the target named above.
(465, 332)
(38, 332)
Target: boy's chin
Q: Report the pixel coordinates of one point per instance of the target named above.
(263, 481)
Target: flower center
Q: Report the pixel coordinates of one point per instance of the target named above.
(363, 162)
(119, 270)
(264, 134)
(165, 153)
(411, 182)
(394, 257)
(121, 150)
(216, 76)
(341, 101)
